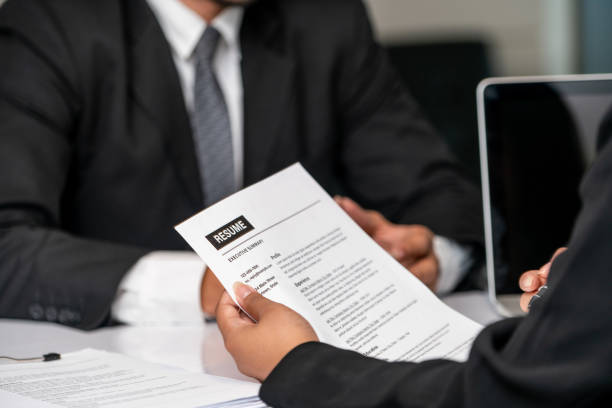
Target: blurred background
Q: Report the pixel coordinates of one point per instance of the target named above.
(525, 37)
(443, 48)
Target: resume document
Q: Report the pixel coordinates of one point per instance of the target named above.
(288, 239)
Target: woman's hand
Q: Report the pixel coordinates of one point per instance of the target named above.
(531, 281)
(257, 347)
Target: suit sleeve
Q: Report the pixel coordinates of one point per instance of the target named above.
(392, 158)
(46, 273)
(559, 355)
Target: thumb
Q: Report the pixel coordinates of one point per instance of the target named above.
(545, 270)
(368, 220)
(557, 253)
(251, 301)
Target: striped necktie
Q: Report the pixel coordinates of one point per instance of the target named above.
(211, 124)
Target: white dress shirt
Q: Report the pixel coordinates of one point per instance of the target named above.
(163, 287)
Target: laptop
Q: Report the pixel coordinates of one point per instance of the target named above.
(537, 137)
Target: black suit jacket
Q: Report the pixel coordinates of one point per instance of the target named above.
(560, 355)
(97, 160)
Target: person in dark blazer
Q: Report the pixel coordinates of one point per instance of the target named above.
(560, 355)
(100, 142)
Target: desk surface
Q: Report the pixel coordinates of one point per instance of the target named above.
(194, 348)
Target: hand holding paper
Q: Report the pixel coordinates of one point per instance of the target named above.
(288, 239)
(258, 347)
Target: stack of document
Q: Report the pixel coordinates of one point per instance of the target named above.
(252, 402)
(92, 378)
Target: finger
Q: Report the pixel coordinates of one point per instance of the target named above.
(368, 220)
(245, 317)
(417, 242)
(530, 281)
(389, 246)
(406, 243)
(399, 254)
(210, 292)
(558, 252)
(251, 301)
(426, 270)
(545, 270)
(525, 299)
(228, 315)
(393, 239)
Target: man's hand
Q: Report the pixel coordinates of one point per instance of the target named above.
(210, 292)
(531, 281)
(259, 347)
(410, 245)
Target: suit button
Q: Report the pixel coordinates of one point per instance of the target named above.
(76, 317)
(65, 316)
(51, 313)
(36, 311)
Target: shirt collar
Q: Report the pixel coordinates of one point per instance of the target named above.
(183, 27)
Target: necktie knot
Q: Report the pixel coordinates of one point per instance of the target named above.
(207, 45)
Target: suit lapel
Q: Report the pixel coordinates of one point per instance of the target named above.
(268, 84)
(268, 77)
(156, 88)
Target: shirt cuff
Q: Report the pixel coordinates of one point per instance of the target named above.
(162, 288)
(454, 261)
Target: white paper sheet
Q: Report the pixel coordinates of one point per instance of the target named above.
(287, 238)
(92, 378)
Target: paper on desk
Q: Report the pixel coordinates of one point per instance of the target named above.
(92, 378)
(287, 238)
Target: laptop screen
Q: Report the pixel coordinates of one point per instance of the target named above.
(540, 136)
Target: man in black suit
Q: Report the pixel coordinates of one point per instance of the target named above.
(104, 117)
(559, 355)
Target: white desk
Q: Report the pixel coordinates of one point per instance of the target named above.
(197, 348)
